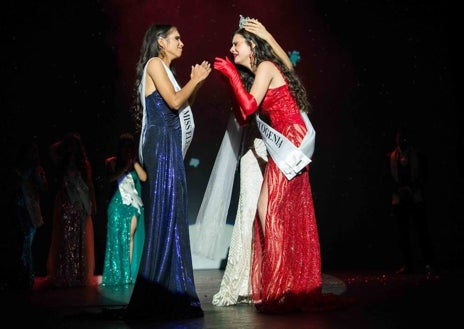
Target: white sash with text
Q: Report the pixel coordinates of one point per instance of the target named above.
(185, 114)
(289, 158)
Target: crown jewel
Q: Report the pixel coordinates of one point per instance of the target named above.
(243, 21)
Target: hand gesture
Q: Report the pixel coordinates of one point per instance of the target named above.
(246, 101)
(201, 71)
(254, 26)
(226, 67)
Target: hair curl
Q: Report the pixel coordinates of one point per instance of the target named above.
(150, 48)
(264, 52)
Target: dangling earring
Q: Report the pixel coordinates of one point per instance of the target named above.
(252, 60)
(161, 50)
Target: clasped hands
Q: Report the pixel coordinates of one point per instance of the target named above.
(200, 71)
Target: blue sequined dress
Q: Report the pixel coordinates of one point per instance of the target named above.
(165, 285)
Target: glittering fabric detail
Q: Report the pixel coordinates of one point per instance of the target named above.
(165, 282)
(71, 260)
(117, 267)
(286, 269)
(235, 285)
(281, 109)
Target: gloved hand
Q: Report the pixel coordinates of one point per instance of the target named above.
(246, 101)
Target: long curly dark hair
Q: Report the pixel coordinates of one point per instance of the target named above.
(71, 152)
(150, 48)
(126, 150)
(263, 52)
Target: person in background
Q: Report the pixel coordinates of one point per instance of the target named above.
(125, 227)
(165, 285)
(29, 183)
(71, 258)
(408, 172)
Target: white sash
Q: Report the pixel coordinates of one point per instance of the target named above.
(129, 194)
(185, 113)
(289, 158)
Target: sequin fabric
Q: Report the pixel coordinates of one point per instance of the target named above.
(165, 284)
(118, 267)
(286, 268)
(235, 285)
(71, 260)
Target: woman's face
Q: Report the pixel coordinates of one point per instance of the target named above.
(172, 44)
(241, 51)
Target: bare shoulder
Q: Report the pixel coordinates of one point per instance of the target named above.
(267, 65)
(154, 64)
(268, 68)
(269, 71)
(156, 75)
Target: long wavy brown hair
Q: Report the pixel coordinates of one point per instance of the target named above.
(150, 48)
(263, 52)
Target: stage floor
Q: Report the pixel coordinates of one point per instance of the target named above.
(383, 299)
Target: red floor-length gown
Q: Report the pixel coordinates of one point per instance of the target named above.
(286, 273)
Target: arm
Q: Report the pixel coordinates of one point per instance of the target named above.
(255, 27)
(193, 96)
(248, 101)
(140, 171)
(161, 82)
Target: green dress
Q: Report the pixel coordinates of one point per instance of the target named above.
(124, 204)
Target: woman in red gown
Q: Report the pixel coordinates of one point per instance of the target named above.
(286, 268)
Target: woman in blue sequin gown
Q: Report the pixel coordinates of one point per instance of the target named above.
(165, 288)
(125, 226)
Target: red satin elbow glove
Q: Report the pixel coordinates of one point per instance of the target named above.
(246, 101)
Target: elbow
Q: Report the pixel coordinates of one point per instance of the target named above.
(249, 112)
(143, 177)
(176, 105)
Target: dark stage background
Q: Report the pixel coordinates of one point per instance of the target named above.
(369, 66)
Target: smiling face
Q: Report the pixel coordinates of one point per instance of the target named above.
(241, 51)
(172, 44)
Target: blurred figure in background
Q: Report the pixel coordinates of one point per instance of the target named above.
(71, 259)
(408, 170)
(29, 182)
(125, 228)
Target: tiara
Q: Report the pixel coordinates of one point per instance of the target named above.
(243, 21)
